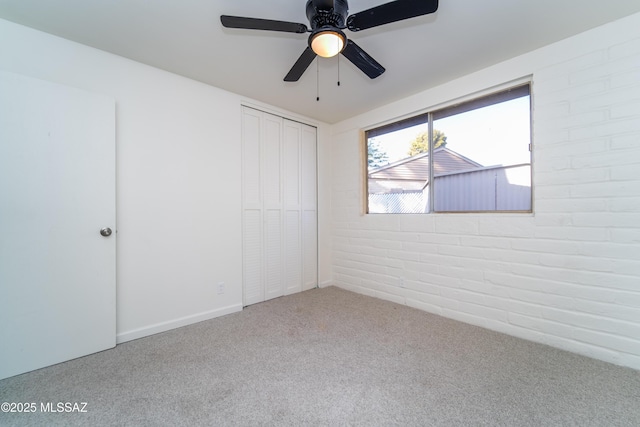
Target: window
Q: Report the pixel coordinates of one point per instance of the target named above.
(481, 158)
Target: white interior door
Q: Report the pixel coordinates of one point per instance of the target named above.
(57, 191)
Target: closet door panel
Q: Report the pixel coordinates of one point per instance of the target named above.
(309, 214)
(251, 164)
(252, 222)
(293, 254)
(274, 280)
(292, 200)
(272, 179)
(309, 250)
(292, 135)
(309, 168)
(252, 254)
(272, 164)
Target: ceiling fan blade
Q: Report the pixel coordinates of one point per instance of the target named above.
(300, 66)
(362, 60)
(261, 24)
(390, 12)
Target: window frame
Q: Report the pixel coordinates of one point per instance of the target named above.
(468, 103)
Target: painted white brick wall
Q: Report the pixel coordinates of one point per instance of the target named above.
(568, 275)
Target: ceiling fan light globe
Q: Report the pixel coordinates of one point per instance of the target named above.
(327, 43)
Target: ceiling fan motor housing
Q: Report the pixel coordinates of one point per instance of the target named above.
(327, 13)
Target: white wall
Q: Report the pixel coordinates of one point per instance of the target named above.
(568, 275)
(178, 180)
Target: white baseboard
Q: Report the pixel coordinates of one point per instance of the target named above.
(325, 284)
(177, 323)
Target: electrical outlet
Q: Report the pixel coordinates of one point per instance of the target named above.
(220, 288)
(402, 282)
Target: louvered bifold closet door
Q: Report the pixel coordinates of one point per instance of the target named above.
(279, 206)
(273, 215)
(309, 230)
(293, 204)
(252, 224)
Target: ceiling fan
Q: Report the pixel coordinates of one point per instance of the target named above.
(327, 19)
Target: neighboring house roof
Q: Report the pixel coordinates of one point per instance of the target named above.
(412, 173)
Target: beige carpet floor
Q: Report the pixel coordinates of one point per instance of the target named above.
(329, 357)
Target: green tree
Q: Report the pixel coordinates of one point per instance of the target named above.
(376, 157)
(421, 143)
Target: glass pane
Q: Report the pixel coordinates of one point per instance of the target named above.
(398, 171)
(485, 162)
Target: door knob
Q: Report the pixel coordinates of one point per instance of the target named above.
(106, 232)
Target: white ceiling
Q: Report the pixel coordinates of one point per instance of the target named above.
(186, 38)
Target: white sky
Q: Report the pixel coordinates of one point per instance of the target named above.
(495, 135)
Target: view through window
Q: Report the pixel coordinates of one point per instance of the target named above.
(481, 158)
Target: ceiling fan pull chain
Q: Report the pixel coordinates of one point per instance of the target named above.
(317, 80)
(338, 69)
